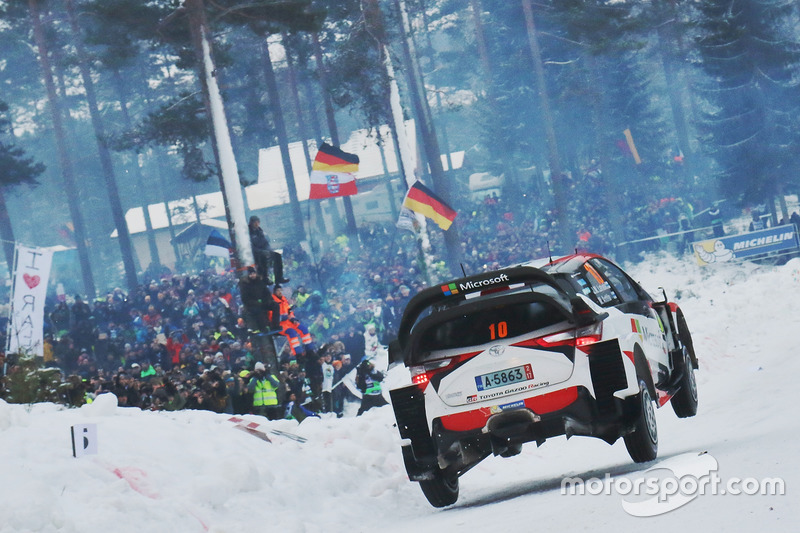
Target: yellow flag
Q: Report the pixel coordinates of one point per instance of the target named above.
(629, 139)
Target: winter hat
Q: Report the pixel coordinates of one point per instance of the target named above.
(260, 366)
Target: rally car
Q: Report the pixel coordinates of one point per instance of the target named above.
(523, 354)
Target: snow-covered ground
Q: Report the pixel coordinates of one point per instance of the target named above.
(193, 471)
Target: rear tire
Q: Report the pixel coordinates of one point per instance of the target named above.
(684, 403)
(642, 443)
(442, 490)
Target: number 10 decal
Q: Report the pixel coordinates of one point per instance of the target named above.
(499, 330)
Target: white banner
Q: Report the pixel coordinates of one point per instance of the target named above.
(26, 324)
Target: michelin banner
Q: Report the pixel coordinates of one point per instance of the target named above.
(26, 327)
(738, 247)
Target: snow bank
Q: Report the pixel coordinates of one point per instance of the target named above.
(193, 471)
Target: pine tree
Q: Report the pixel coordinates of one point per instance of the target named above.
(28, 382)
(15, 168)
(750, 54)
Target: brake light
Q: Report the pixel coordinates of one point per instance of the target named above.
(575, 337)
(422, 374)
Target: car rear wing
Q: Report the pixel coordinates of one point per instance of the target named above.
(459, 289)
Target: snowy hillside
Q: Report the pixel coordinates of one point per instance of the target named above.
(193, 471)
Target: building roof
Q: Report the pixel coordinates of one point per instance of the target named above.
(271, 188)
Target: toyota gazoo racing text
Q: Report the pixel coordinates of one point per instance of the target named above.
(523, 354)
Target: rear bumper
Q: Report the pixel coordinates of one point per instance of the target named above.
(584, 415)
(589, 404)
(501, 433)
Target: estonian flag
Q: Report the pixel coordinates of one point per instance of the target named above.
(333, 173)
(217, 245)
(421, 200)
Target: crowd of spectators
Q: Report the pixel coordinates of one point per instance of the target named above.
(183, 341)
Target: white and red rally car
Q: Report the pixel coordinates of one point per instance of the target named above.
(523, 354)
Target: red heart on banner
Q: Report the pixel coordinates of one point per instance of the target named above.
(31, 281)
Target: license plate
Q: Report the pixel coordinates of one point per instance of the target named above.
(502, 378)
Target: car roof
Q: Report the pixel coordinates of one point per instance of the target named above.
(569, 263)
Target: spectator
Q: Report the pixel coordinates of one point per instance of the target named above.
(264, 386)
(260, 309)
(147, 370)
(328, 372)
(795, 219)
(716, 221)
(368, 381)
(264, 255)
(371, 341)
(354, 344)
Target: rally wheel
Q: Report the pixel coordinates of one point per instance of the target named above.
(442, 489)
(642, 442)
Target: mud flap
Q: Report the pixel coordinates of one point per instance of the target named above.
(420, 456)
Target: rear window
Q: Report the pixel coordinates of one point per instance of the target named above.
(486, 325)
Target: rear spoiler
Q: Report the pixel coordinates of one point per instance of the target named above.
(459, 288)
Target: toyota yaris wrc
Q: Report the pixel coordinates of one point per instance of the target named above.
(523, 354)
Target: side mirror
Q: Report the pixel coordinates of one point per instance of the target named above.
(659, 295)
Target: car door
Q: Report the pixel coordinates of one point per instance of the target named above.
(645, 327)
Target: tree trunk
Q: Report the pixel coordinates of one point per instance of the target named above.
(673, 89)
(316, 127)
(162, 180)
(439, 106)
(117, 213)
(220, 137)
(6, 232)
(613, 196)
(329, 115)
(304, 136)
(70, 187)
(389, 188)
(416, 88)
(441, 185)
(148, 224)
(283, 141)
(556, 176)
(509, 171)
(671, 46)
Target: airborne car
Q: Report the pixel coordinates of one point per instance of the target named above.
(524, 354)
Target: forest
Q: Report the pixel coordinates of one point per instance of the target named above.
(583, 106)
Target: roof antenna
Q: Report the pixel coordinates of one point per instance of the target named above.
(463, 270)
(549, 253)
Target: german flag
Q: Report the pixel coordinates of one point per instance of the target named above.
(421, 200)
(333, 173)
